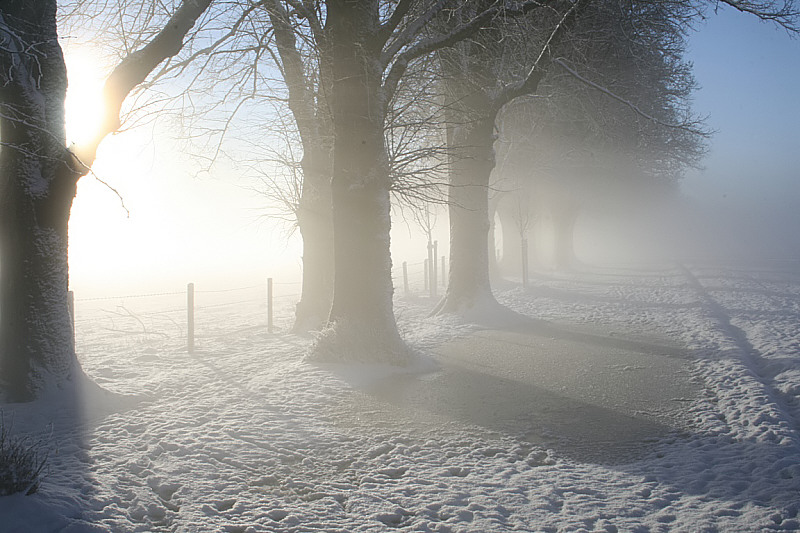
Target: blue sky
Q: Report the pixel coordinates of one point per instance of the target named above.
(749, 73)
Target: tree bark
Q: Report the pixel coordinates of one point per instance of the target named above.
(38, 183)
(314, 216)
(494, 264)
(315, 221)
(38, 180)
(468, 200)
(362, 322)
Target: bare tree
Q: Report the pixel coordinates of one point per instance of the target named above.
(471, 71)
(485, 74)
(372, 45)
(39, 183)
(308, 88)
(633, 122)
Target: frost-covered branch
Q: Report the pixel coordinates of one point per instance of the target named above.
(135, 67)
(181, 66)
(307, 10)
(538, 69)
(690, 127)
(785, 13)
(427, 46)
(387, 28)
(410, 32)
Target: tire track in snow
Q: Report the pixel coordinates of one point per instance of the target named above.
(755, 363)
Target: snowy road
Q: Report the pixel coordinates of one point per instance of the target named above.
(244, 436)
(588, 396)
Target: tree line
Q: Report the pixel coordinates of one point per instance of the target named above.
(388, 101)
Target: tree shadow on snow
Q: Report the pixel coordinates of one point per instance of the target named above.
(585, 396)
(61, 424)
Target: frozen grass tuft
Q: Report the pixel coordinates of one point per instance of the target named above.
(21, 462)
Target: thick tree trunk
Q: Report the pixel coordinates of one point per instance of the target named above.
(36, 340)
(315, 220)
(37, 186)
(314, 217)
(469, 284)
(362, 323)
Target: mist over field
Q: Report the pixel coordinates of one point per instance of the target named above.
(415, 265)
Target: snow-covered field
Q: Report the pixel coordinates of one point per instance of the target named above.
(244, 436)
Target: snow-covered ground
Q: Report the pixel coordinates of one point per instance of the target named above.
(244, 436)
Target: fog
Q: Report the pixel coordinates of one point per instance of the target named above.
(647, 378)
(183, 224)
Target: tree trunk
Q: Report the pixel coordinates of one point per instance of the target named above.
(314, 217)
(37, 187)
(315, 221)
(469, 284)
(362, 323)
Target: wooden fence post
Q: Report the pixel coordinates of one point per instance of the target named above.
(405, 278)
(190, 317)
(269, 305)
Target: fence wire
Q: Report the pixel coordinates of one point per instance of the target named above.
(136, 319)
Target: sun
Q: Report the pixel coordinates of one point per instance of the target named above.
(84, 103)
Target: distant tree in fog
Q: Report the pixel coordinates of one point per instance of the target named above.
(508, 60)
(485, 76)
(582, 139)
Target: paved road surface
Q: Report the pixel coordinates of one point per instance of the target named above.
(588, 395)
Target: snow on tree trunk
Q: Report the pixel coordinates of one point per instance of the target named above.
(315, 221)
(469, 289)
(37, 186)
(314, 217)
(362, 325)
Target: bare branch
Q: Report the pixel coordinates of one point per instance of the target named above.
(447, 40)
(689, 127)
(135, 68)
(387, 28)
(411, 31)
(537, 71)
(785, 13)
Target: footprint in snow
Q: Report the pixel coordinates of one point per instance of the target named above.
(394, 473)
(165, 490)
(383, 449)
(225, 505)
(456, 471)
(277, 514)
(391, 519)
